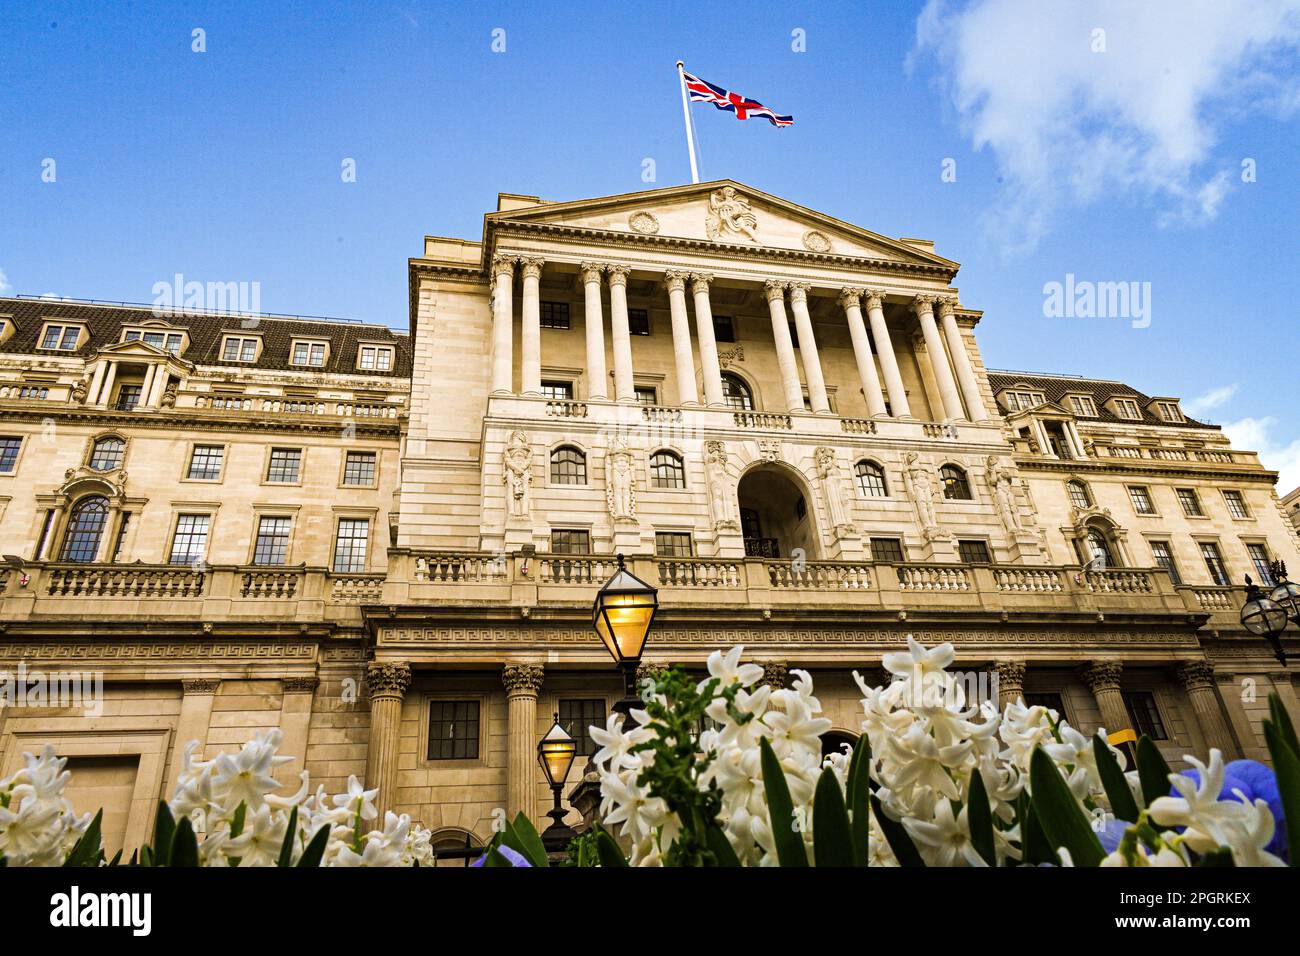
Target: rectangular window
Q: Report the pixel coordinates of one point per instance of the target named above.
(723, 329)
(1164, 558)
(309, 353)
(973, 552)
(558, 391)
(376, 358)
(1214, 563)
(1191, 503)
(237, 349)
(1236, 504)
(570, 541)
(9, 448)
(1127, 408)
(638, 321)
(190, 543)
(555, 315)
(61, 338)
(1263, 565)
(155, 339)
(128, 397)
(576, 716)
(1048, 699)
(1170, 412)
(1142, 710)
(350, 545)
(887, 550)
(272, 541)
(1019, 401)
(285, 464)
(40, 392)
(120, 541)
(359, 468)
(673, 544)
(1141, 498)
(1083, 406)
(646, 395)
(174, 343)
(205, 462)
(453, 729)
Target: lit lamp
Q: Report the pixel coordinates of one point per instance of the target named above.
(555, 752)
(624, 609)
(1264, 617)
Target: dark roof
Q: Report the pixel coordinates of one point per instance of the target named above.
(104, 323)
(1056, 387)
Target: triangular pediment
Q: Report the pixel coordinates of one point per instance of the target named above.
(133, 347)
(725, 213)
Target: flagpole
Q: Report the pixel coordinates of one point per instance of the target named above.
(686, 118)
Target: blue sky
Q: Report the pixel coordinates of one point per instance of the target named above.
(1114, 156)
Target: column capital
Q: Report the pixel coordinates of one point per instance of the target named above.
(799, 291)
(533, 266)
(200, 685)
(850, 296)
(946, 305)
(923, 304)
(875, 298)
(503, 264)
(618, 275)
(774, 289)
(700, 281)
(300, 685)
(675, 281)
(1011, 676)
(388, 680)
(1194, 674)
(521, 679)
(1102, 675)
(776, 674)
(591, 271)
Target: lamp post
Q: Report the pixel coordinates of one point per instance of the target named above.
(1266, 617)
(555, 752)
(624, 610)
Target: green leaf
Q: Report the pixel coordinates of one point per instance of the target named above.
(184, 845)
(1222, 857)
(789, 844)
(526, 841)
(237, 822)
(1062, 819)
(146, 856)
(832, 836)
(290, 837)
(164, 828)
(980, 819)
(1114, 782)
(608, 850)
(721, 846)
(896, 836)
(494, 858)
(315, 851)
(1153, 772)
(117, 859)
(1287, 767)
(1034, 846)
(858, 795)
(87, 850)
(1282, 720)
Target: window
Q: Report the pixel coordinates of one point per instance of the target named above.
(190, 542)
(128, 397)
(40, 392)
(350, 545)
(85, 528)
(973, 552)
(673, 544)
(1083, 406)
(238, 349)
(667, 470)
(1099, 554)
(1214, 563)
(1164, 558)
(169, 341)
(638, 321)
(453, 729)
(1190, 502)
(359, 468)
(1263, 565)
(1018, 401)
(1142, 710)
(887, 549)
(955, 485)
(568, 466)
(736, 393)
(285, 465)
(206, 462)
(377, 358)
(107, 454)
(555, 315)
(1236, 504)
(646, 395)
(871, 479)
(576, 716)
(1140, 495)
(1170, 412)
(61, 338)
(570, 541)
(121, 536)
(308, 353)
(1079, 496)
(724, 330)
(1127, 408)
(9, 448)
(1048, 699)
(557, 391)
(272, 545)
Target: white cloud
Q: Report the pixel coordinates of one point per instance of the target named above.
(4, 283)
(1256, 434)
(1067, 124)
(1198, 406)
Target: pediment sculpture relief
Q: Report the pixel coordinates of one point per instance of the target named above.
(730, 216)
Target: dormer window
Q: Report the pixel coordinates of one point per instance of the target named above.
(238, 348)
(376, 358)
(1170, 412)
(56, 337)
(1127, 408)
(173, 342)
(1021, 400)
(311, 354)
(6, 328)
(1083, 406)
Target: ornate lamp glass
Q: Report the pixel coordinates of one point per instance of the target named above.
(555, 753)
(1264, 618)
(1287, 596)
(624, 610)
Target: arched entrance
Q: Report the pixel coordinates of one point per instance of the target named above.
(776, 516)
(834, 742)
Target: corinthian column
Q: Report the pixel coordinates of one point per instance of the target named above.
(923, 305)
(970, 390)
(624, 390)
(775, 292)
(812, 364)
(388, 684)
(1011, 682)
(885, 349)
(597, 383)
(708, 344)
(683, 361)
(1102, 678)
(1197, 678)
(531, 337)
(850, 302)
(503, 320)
(522, 682)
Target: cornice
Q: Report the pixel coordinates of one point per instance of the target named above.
(1154, 469)
(203, 420)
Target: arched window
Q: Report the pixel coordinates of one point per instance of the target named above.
(85, 528)
(107, 454)
(568, 466)
(955, 485)
(871, 479)
(1079, 494)
(666, 470)
(736, 393)
(1099, 550)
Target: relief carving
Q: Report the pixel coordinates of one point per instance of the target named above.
(730, 215)
(518, 461)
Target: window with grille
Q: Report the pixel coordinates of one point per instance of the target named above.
(578, 715)
(555, 315)
(646, 395)
(85, 528)
(453, 729)
(1164, 558)
(237, 349)
(1142, 710)
(350, 545)
(638, 321)
(1170, 412)
(377, 358)
(1079, 496)
(871, 479)
(190, 542)
(206, 461)
(724, 330)
(285, 465)
(1141, 498)
(673, 544)
(1099, 552)
(1191, 503)
(308, 353)
(272, 545)
(1236, 504)
(568, 466)
(667, 470)
(9, 448)
(1048, 699)
(61, 338)
(359, 468)
(736, 393)
(107, 454)
(570, 541)
(128, 397)
(1263, 565)
(557, 391)
(955, 485)
(1214, 563)
(40, 392)
(973, 552)
(1083, 406)
(888, 550)
(1127, 408)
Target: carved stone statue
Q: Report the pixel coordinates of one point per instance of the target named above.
(620, 488)
(518, 461)
(168, 399)
(722, 497)
(79, 389)
(921, 489)
(1004, 492)
(728, 213)
(828, 469)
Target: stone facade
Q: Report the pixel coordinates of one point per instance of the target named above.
(782, 420)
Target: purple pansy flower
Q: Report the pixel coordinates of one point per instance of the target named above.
(515, 858)
(1256, 781)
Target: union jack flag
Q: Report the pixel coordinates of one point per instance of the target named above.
(702, 91)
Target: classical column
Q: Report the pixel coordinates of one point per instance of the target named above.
(1076, 440)
(295, 719)
(197, 696)
(776, 674)
(1011, 681)
(597, 380)
(683, 360)
(850, 301)
(503, 320)
(775, 292)
(160, 380)
(387, 683)
(1102, 678)
(812, 364)
(531, 337)
(708, 345)
(146, 387)
(970, 389)
(106, 395)
(923, 305)
(96, 382)
(885, 349)
(108, 538)
(1197, 678)
(624, 390)
(522, 682)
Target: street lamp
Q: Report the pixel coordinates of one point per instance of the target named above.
(624, 610)
(555, 752)
(1264, 617)
(1286, 593)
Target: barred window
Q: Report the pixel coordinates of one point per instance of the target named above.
(350, 545)
(578, 715)
(359, 468)
(1164, 558)
(236, 349)
(568, 466)
(1263, 565)
(1079, 495)
(206, 461)
(272, 545)
(871, 479)
(1099, 550)
(107, 454)
(85, 528)
(308, 353)
(190, 543)
(1141, 498)
(973, 552)
(1214, 563)
(955, 485)
(1236, 504)
(673, 544)
(570, 541)
(128, 397)
(1187, 497)
(1142, 710)
(453, 729)
(9, 448)
(555, 315)
(61, 338)
(378, 358)
(557, 391)
(285, 464)
(889, 550)
(646, 395)
(736, 393)
(667, 470)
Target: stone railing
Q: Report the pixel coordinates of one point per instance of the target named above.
(460, 568)
(563, 408)
(270, 585)
(106, 580)
(857, 426)
(818, 575)
(356, 588)
(938, 430)
(933, 577)
(1118, 581)
(1171, 454)
(660, 415)
(769, 420)
(575, 569)
(700, 573)
(1028, 580)
(1216, 599)
(311, 407)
